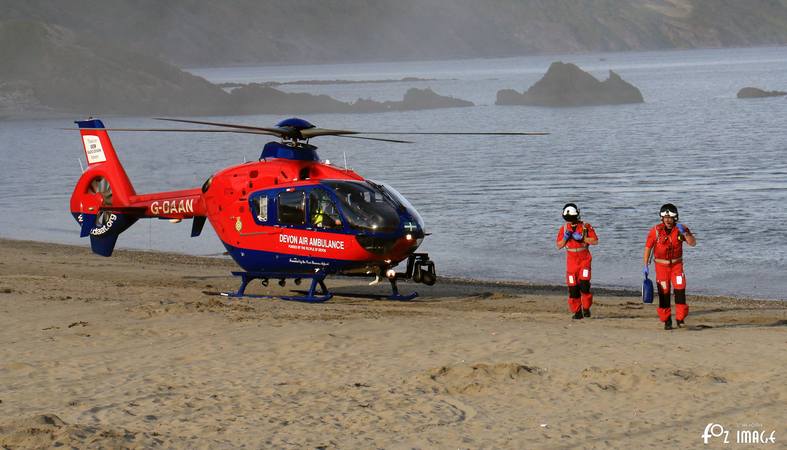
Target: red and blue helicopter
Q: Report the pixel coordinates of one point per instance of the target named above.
(287, 215)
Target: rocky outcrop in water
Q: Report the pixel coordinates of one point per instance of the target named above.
(568, 85)
(427, 99)
(259, 99)
(413, 99)
(753, 92)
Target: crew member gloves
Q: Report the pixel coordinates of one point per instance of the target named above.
(577, 236)
(681, 228)
(645, 271)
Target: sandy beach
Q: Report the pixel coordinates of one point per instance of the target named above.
(136, 351)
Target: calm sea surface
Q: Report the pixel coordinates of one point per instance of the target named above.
(493, 204)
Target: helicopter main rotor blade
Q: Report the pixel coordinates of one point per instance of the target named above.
(312, 132)
(373, 139)
(289, 132)
(462, 133)
(309, 133)
(181, 130)
(269, 130)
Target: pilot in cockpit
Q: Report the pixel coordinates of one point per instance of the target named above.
(323, 211)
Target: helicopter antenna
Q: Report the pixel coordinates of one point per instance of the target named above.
(80, 165)
(345, 160)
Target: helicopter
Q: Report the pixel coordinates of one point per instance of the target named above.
(288, 215)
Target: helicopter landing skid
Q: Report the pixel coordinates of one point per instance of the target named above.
(395, 295)
(317, 279)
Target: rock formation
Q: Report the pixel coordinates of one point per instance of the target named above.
(427, 99)
(258, 99)
(413, 99)
(753, 92)
(568, 85)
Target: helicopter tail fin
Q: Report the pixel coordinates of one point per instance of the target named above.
(100, 202)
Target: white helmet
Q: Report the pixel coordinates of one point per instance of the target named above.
(669, 210)
(571, 212)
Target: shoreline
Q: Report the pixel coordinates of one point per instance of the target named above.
(130, 352)
(527, 286)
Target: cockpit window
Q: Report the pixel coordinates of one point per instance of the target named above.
(366, 207)
(322, 210)
(292, 208)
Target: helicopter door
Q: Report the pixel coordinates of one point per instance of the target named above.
(323, 213)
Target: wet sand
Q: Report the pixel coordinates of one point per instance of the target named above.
(131, 352)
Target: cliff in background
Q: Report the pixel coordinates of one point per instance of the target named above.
(201, 33)
(49, 70)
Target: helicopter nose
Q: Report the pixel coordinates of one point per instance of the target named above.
(411, 240)
(411, 228)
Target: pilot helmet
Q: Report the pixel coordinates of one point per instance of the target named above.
(571, 212)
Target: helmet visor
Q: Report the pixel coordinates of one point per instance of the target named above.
(668, 214)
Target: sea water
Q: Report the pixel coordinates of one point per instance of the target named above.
(492, 204)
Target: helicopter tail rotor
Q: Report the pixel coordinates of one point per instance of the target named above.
(97, 216)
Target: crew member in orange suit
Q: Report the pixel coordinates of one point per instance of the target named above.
(665, 244)
(575, 236)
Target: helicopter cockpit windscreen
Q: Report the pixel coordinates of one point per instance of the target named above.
(404, 202)
(366, 207)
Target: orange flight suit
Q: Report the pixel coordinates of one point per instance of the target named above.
(668, 256)
(578, 271)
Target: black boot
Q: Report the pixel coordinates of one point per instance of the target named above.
(577, 315)
(668, 324)
(679, 322)
(586, 312)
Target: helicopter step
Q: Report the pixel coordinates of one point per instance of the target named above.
(318, 279)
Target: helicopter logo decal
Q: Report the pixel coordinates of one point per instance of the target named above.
(93, 150)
